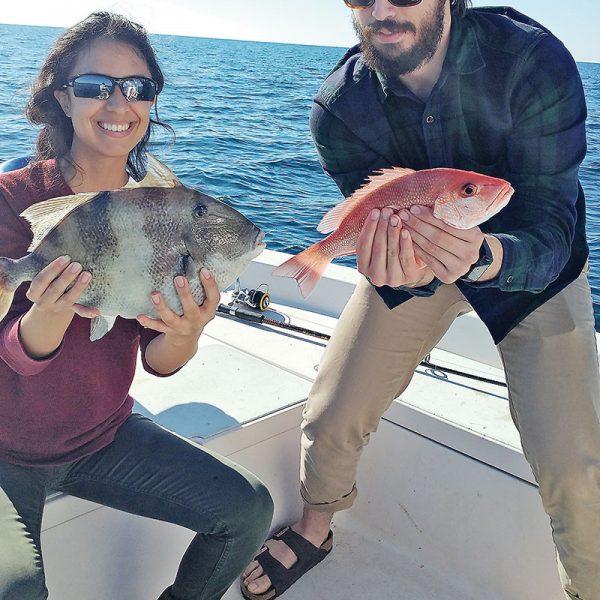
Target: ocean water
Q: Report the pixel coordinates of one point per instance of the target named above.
(240, 112)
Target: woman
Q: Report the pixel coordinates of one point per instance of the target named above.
(65, 411)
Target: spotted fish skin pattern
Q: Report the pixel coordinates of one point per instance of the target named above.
(135, 241)
(462, 199)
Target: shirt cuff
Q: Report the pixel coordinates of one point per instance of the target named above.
(424, 290)
(14, 355)
(510, 278)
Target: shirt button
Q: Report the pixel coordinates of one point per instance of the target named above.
(430, 119)
(509, 279)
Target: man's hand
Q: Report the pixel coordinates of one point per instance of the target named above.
(447, 251)
(385, 252)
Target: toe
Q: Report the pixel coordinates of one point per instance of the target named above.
(250, 568)
(253, 575)
(260, 585)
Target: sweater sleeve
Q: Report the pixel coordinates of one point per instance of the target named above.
(15, 238)
(146, 337)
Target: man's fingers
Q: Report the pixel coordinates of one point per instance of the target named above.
(394, 268)
(364, 243)
(378, 266)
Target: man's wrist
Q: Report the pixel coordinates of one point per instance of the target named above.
(498, 254)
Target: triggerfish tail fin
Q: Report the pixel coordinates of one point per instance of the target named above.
(7, 289)
(306, 268)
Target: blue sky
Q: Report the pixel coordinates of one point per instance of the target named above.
(320, 22)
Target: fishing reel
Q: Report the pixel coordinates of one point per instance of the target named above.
(255, 298)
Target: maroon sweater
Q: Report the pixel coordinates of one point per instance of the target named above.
(70, 404)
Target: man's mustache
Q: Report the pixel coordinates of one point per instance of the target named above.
(389, 25)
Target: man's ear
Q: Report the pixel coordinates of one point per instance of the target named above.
(63, 98)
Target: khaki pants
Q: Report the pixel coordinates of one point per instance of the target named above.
(551, 367)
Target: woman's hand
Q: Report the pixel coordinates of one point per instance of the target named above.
(179, 341)
(385, 252)
(58, 286)
(54, 292)
(181, 329)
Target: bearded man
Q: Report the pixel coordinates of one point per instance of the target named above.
(434, 83)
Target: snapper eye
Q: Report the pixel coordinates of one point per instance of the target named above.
(199, 211)
(470, 189)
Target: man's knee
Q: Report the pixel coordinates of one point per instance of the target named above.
(563, 485)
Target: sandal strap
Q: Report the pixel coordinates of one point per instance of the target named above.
(308, 556)
(301, 547)
(277, 573)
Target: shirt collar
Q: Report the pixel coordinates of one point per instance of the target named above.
(463, 57)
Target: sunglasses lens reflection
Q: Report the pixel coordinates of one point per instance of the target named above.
(101, 87)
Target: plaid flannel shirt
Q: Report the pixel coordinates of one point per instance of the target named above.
(509, 103)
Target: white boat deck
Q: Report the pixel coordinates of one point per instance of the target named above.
(447, 508)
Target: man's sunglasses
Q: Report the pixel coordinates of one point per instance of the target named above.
(358, 4)
(93, 85)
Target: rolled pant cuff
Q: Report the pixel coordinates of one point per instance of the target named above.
(335, 506)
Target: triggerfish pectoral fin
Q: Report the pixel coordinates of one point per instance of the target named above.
(100, 326)
(306, 268)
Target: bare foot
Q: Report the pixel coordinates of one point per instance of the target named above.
(314, 527)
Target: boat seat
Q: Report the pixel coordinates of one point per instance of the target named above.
(12, 164)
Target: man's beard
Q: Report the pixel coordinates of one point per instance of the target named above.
(401, 62)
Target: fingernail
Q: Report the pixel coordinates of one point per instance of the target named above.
(385, 214)
(155, 298)
(64, 260)
(394, 220)
(374, 214)
(415, 210)
(180, 281)
(85, 277)
(75, 268)
(404, 215)
(205, 273)
(404, 234)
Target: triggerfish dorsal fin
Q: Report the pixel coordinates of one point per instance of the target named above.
(158, 175)
(333, 218)
(45, 216)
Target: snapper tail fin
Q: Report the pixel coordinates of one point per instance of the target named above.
(306, 268)
(7, 287)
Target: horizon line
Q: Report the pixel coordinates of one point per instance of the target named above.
(225, 39)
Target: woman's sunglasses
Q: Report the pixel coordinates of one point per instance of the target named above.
(358, 4)
(93, 85)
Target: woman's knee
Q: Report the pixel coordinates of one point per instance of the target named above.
(22, 581)
(251, 514)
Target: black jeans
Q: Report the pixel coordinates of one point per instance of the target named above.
(150, 472)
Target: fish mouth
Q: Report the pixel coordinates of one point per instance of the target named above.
(502, 198)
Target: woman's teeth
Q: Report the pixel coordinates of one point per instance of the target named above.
(114, 126)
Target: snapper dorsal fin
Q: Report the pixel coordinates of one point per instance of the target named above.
(45, 216)
(333, 218)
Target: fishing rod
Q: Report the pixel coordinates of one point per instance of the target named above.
(247, 305)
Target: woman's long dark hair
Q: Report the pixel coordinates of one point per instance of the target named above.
(56, 136)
